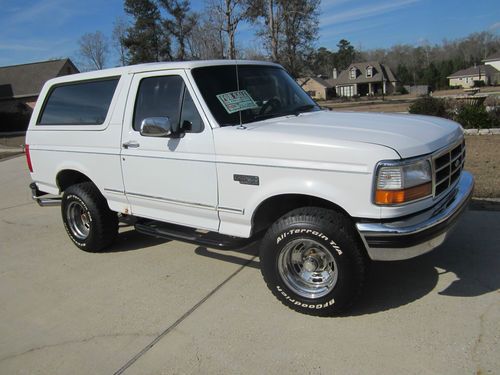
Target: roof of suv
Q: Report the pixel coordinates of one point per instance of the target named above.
(148, 67)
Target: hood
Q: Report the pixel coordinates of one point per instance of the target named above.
(408, 135)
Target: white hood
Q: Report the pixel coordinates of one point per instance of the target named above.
(408, 135)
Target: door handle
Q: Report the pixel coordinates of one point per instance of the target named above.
(131, 144)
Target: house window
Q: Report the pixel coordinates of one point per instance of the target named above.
(353, 73)
(312, 93)
(369, 72)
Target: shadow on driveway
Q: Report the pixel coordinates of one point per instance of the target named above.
(471, 253)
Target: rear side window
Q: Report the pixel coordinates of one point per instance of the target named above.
(82, 103)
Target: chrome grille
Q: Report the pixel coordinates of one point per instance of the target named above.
(447, 168)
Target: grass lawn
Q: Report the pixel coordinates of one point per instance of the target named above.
(483, 160)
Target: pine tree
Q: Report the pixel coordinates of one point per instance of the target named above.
(146, 40)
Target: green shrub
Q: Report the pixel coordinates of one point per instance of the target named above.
(495, 117)
(479, 84)
(427, 105)
(473, 117)
(401, 90)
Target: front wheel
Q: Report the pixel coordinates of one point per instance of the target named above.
(89, 222)
(313, 261)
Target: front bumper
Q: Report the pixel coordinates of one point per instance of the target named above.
(413, 235)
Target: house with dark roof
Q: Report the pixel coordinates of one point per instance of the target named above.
(493, 60)
(316, 87)
(364, 78)
(466, 78)
(20, 85)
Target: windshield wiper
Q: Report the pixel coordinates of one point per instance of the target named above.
(266, 116)
(296, 111)
(303, 108)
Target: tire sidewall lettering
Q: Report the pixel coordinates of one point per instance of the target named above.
(316, 306)
(305, 231)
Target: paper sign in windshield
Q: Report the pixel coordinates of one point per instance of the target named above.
(236, 101)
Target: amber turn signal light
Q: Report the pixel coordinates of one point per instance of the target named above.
(403, 195)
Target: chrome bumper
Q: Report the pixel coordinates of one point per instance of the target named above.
(408, 237)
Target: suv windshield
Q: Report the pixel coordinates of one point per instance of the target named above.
(250, 93)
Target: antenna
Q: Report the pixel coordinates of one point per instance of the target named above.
(238, 85)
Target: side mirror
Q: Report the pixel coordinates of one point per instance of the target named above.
(156, 127)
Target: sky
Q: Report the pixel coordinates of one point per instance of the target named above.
(36, 30)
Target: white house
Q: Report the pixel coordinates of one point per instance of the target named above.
(489, 73)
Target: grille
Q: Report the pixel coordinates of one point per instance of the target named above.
(448, 167)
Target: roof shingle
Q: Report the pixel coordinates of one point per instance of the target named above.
(381, 72)
(26, 80)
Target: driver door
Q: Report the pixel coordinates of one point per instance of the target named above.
(173, 178)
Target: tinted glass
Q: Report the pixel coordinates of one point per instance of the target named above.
(268, 91)
(158, 97)
(83, 103)
(190, 118)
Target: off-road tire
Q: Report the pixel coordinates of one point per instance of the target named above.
(101, 224)
(332, 232)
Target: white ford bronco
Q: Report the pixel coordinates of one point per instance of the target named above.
(222, 153)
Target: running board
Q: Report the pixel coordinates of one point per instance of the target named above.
(43, 199)
(195, 236)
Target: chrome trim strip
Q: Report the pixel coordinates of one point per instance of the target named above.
(114, 191)
(174, 201)
(240, 211)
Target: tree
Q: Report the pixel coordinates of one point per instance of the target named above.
(228, 14)
(181, 23)
(93, 50)
(267, 14)
(322, 61)
(146, 40)
(206, 40)
(345, 54)
(300, 30)
(118, 38)
(289, 29)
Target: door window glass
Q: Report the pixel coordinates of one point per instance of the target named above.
(190, 119)
(158, 97)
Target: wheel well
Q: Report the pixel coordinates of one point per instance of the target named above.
(69, 177)
(273, 208)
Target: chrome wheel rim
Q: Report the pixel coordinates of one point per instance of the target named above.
(78, 218)
(308, 268)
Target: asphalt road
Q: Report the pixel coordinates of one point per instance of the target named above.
(150, 306)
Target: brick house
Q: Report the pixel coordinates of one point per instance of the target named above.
(20, 85)
(316, 87)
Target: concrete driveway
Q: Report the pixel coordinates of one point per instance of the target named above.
(156, 307)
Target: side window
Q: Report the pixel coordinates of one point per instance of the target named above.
(158, 97)
(190, 118)
(82, 103)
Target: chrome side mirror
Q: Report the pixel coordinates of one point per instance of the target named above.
(156, 127)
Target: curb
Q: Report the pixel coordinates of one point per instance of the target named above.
(482, 131)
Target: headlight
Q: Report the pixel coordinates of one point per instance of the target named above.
(403, 182)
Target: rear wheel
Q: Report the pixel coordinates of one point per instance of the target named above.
(313, 261)
(89, 222)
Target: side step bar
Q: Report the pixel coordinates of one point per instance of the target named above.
(44, 199)
(190, 235)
